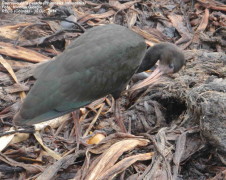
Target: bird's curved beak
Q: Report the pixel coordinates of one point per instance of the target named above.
(154, 77)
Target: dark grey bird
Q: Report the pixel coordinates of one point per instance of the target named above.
(99, 62)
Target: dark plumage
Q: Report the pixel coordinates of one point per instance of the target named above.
(98, 63)
(169, 55)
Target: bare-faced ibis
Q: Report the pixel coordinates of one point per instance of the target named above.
(98, 63)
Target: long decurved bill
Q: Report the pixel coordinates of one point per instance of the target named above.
(154, 77)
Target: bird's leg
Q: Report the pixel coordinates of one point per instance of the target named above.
(78, 133)
(118, 116)
(75, 116)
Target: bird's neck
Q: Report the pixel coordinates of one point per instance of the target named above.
(152, 55)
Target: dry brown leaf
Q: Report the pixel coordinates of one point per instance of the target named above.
(15, 88)
(131, 17)
(123, 164)
(180, 148)
(117, 5)
(80, 14)
(16, 65)
(21, 53)
(220, 176)
(204, 21)
(54, 25)
(11, 72)
(201, 27)
(11, 139)
(92, 3)
(110, 156)
(19, 137)
(53, 123)
(11, 32)
(145, 34)
(178, 23)
(63, 163)
(27, 159)
(157, 34)
(31, 169)
(5, 140)
(97, 16)
(49, 151)
(212, 4)
(22, 74)
(8, 68)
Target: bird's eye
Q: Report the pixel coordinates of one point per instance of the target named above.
(171, 66)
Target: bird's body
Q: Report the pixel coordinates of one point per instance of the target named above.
(98, 63)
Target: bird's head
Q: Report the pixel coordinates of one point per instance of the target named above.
(170, 60)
